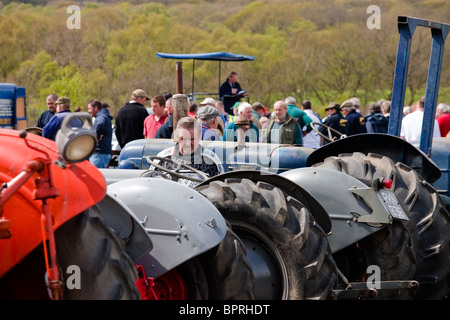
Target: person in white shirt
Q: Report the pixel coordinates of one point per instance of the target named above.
(311, 139)
(411, 129)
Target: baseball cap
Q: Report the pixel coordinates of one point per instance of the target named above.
(138, 93)
(333, 105)
(356, 102)
(62, 100)
(208, 101)
(347, 104)
(236, 105)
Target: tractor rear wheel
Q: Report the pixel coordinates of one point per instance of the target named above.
(429, 221)
(390, 250)
(92, 261)
(221, 273)
(106, 270)
(287, 250)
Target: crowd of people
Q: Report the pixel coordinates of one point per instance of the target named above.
(219, 120)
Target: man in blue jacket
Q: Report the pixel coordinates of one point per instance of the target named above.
(231, 92)
(166, 130)
(333, 120)
(355, 120)
(103, 126)
(62, 110)
(45, 116)
(376, 122)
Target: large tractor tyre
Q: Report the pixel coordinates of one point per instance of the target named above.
(229, 272)
(106, 271)
(287, 250)
(390, 250)
(429, 221)
(92, 262)
(221, 273)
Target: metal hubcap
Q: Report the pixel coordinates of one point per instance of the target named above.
(265, 261)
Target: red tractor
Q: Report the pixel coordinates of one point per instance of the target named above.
(65, 235)
(51, 226)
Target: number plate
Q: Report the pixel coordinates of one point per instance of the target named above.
(391, 204)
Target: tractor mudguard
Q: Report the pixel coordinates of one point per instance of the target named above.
(284, 184)
(115, 175)
(397, 149)
(181, 222)
(334, 191)
(80, 186)
(126, 225)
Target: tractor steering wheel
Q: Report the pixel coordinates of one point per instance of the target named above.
(330, 137)
(175, 173)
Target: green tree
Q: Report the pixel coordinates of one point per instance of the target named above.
(36, 75)
(317, 50)
(13, 43)
(70, 83)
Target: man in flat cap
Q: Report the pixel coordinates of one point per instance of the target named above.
(130, 118)
(62, 110)
(208, 115)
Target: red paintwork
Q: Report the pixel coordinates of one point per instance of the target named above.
(170, 286)
(80, 186)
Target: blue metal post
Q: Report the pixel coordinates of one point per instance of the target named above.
(406, 30)
(439, 32)
(431, 95)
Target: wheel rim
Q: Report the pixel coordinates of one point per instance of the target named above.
(265, 261)
(170, 286)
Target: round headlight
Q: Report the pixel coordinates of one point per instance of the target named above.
(77, 139)
(79, 148)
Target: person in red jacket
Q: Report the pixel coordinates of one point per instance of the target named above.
(443, 118)
(154, 121)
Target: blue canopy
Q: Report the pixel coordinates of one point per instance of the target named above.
(214, 56)
(217, 56)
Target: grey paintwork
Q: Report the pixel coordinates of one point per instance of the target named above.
(181, 222)
(333, 190)
(115, 175)
(126, 225)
